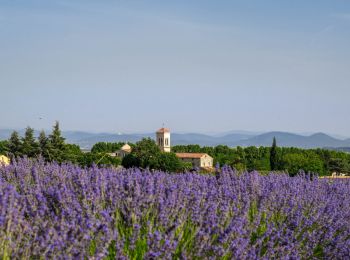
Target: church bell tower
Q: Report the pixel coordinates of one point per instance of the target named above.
(163, 139)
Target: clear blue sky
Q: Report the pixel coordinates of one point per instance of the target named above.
(197, 66)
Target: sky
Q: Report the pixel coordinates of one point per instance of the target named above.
(194, 66)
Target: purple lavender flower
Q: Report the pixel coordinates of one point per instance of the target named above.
(63, 211)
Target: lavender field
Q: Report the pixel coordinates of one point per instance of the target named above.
(66, 212)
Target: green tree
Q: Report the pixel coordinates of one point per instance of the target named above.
(4, 149)
(169, 162)
(108, 160)
(44, 145)
(314, 163)
(252, 157)
(72, 153)
(100, 147)
(186, 166)
(105, 147)
(103, 159)
(57, 144)
(239, 160)
(273, 155)
(130, 160)
(30, 147)
(263, 163)
(340, 165)
(147, 152)
(294, 163)
(15, 144)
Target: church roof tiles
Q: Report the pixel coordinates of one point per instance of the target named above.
(191, 155)
(163, 130)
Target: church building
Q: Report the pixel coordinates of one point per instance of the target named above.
(200, 160)
(163, 139)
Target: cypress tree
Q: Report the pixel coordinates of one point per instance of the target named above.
(29, 146)
(273, 155)
(15, 144)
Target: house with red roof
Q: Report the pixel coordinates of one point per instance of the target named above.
(199, 160)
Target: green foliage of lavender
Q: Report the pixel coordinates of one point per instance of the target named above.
(57, 211)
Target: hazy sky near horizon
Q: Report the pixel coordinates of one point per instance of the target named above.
(197, 66)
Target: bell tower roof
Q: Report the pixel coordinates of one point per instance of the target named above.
(163, 130)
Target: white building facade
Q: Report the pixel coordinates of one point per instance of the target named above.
(163, 139)
(200, 160)
(125, 150)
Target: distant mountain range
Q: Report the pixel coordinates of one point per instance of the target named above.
(234, 138)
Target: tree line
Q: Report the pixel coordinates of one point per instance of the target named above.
(146, 154)
(265, 159)
(52, 148)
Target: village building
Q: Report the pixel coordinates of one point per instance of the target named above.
(4, 160)
(85, 150)
(163, 139)
(199, 160)
(123, 151)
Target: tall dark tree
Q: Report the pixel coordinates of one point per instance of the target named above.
(44, 145)
(57, 144)
(15, 144)
(30, 147)
(273, 155)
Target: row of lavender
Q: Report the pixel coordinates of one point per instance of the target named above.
(53, 211)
